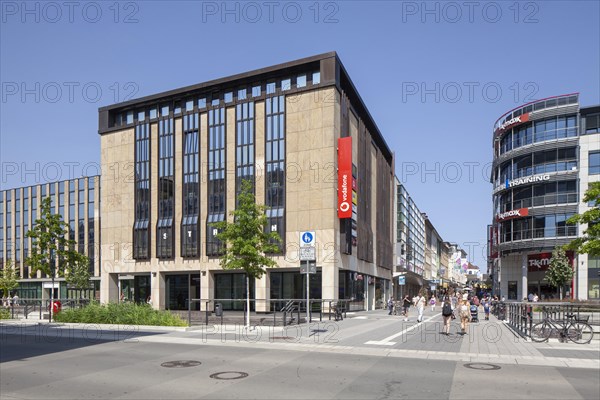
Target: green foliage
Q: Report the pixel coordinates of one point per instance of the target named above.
(79, 274)
(8, 278)
(119, 313)
(560, 271)
(51, 251)
(589, 243)
(4, 313)
(246, 242)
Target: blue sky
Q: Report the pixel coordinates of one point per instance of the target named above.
(434, 75)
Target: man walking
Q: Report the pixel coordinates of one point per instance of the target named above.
(420, 303)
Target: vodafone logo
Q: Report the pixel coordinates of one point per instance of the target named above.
(344, 206)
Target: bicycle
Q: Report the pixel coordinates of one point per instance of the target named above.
(337, 311)
(576, 330)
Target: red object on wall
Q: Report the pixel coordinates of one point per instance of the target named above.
(541, 261)
(345, 177)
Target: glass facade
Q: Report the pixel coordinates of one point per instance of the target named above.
(216, 178)
(539, 131)
(275, 164)
(190, 231)
(244, 146)
(539, 162)
(594, 162)
(166, 189)
(141, 231)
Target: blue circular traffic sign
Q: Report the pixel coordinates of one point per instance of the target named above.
(307, 237)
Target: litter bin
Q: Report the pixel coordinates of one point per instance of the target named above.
(218, 309)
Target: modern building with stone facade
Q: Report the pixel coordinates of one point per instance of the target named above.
(545, 154)
(172, 164)
(78, 202)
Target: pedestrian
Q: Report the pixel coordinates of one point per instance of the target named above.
(535, 298)
(149, 300)
(420, 307)
(4, 302)
(465, 316)
(432, 302)
(447, 315)
(390, 305)
(486, 308)
(406, 305)
(16, 299)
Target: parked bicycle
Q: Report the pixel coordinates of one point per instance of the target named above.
(576, 330)
(337, 311)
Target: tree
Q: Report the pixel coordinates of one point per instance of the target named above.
(79, 274)
(9, 278)
(247, 241)
(51, 252)
(589, 243)
(560, 271)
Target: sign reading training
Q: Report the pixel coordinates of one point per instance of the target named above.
(345, 177)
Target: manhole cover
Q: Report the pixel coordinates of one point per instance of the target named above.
(180, 364)
(482, 366)
(227, 375)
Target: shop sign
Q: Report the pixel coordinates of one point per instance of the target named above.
(541, 261)
(345, 177)
(512, 123)
(519, 213)
(528, 179)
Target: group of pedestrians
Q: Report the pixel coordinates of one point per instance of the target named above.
(10, 301)
(454, 305)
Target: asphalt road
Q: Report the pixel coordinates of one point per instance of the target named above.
(364, 358)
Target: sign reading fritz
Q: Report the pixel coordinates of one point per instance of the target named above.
(521, 212)
(345, 177)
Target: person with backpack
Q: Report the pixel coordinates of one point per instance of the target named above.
(447, 315)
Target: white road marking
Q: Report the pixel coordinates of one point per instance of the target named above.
(387, 340)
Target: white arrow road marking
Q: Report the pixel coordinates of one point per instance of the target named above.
(387, 340)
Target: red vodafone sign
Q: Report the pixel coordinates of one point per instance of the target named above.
(345, 177)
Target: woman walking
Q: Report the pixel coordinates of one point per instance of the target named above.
(447, 315)
(465, 315)
(432, 302)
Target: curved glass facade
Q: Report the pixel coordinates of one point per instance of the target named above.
(537, 187)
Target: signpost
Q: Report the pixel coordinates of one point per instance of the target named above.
(308, 256)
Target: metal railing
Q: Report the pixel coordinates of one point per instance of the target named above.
(521, 316)
(27, 307)
(280, 311)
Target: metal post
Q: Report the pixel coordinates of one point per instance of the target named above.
(307, 293)
(189, 310)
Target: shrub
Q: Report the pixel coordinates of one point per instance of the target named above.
(4, 313)
(119, 313)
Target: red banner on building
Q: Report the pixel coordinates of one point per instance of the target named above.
(345, 177)
(519, 213)
(541, 261)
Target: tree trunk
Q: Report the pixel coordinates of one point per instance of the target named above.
(247, 301)
(560, 290)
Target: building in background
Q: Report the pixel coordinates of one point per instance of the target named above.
(78, 202)
(545, 154)
(301, 133)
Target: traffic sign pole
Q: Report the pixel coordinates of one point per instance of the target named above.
(307, 291)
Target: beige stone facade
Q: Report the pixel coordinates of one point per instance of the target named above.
(313, 124)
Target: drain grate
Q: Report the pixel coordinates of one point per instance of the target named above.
(482, 366)
(228, 375)
(180, 364)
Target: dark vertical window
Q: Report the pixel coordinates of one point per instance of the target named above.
(1, 229)
(141, 231)
(61, 199)
(81, 216)
(594, 162)
(275, 164)
(244, 146)
(166, 188)
(91, 225)
(8, 224)
(26, 226)
(72, 210)
(216, 178)
(190, 232)
(17, 229)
